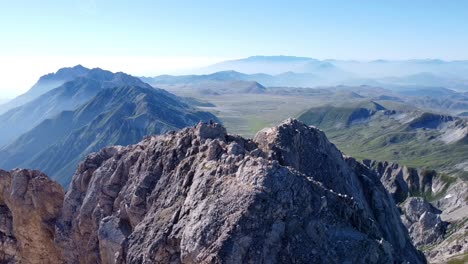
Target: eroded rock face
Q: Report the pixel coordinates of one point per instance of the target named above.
(203, 196)
(8, 243)
(423, 221)
(402, 181)
(440, 227)
(30, 203)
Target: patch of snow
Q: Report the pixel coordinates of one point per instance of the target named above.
(448, 196)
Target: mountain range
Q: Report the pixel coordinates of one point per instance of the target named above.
(310, 72)
(57, 129)
(407, 185)
(306, 79)
(273, 65)
(431, 97)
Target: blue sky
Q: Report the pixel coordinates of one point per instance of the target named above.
(200, 32)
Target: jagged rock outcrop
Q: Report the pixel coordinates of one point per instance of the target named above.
(423, 221)
(402, 181)
(438, 227)
(203, 196)
(30, 203)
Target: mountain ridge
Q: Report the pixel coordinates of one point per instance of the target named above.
(221, 198)
(121, 115)
(45, 84)
(386, 73)
(68, 96)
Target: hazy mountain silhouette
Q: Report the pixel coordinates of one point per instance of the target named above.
(116, 116)
(68, 96)
(45, 84)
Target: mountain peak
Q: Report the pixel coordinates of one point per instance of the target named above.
(66, 73)
(222, 198)
(46, 83)
(79, 67)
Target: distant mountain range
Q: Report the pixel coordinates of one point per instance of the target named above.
(227, 82)
(434, 98)
(60, 127)
(223, 77)
(309, 72)
(273, 65)
(376, 68)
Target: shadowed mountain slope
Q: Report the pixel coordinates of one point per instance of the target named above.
(122, 115)
(65, 97)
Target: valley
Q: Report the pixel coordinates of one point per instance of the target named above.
(382, 137)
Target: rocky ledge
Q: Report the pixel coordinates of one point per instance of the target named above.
(203, 196)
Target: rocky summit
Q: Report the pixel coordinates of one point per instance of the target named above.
(203, 196)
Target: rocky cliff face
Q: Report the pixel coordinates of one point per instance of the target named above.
(30, 203)
(402, 181)
(203, 196)
(423, 221)
(440, 226)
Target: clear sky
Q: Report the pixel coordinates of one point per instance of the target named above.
(153, 37)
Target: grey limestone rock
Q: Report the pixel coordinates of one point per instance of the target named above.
(203, 196)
